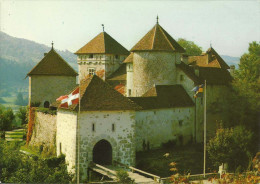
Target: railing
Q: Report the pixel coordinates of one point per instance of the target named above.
(155, 178)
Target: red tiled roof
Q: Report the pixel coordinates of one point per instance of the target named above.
(208, 59)
(98, 95)
(53, 64)
(103, 43)
(164, 96)
(157, 39)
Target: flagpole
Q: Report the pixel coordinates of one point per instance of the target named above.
(205, 96)
(78, 145)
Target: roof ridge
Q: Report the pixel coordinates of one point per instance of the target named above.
(154, 35)
(167, 39)
(105, 49)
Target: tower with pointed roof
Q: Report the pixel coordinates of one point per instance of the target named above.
(49, 79)
(152, 61)
(101, 56)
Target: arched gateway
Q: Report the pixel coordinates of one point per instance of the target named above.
(102, 153)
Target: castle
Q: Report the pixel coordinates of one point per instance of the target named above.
(128, 100)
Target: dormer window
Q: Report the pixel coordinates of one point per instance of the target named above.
(91, 56)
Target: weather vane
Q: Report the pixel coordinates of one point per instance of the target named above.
(157, 20)
(52, 44)
(103, 27)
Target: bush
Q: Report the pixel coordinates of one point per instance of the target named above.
(22, 115)
(46, 111)
(6, 118)
(19, 168)
(123, 176)
(232, 146)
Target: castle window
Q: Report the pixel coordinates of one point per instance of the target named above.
(116, 56)
(91, 56)
(46, 104)
(60, 148)
(93, 127)
(129, 92)
(113, 127)
(180, 123)
(91, 71)
(181, 77)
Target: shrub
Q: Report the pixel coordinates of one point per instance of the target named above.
(123, 176)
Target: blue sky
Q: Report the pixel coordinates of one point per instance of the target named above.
(228, 25)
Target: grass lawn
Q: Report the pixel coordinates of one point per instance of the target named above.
(188, 158)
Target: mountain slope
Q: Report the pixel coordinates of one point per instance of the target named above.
(18, 56)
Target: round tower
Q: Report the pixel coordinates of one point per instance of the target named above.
(154, 59)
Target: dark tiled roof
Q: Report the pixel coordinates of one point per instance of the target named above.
(216, 76)
(189, 71)
(98, 95)
(164, 96)
(208, 59)
(119, 74)
(157, 39)
(103, 44)
(130, 58)
(53, 64)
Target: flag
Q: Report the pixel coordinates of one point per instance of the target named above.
(68, 100)
(198, 91)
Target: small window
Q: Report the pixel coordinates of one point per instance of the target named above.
(181, 77)
(180, 123)
(91, 71)
(46, 104)
(91, 56)
(93, 127)
(129, 92)
(60, 148)
(116, 56)
(129, 67)
(113, 127)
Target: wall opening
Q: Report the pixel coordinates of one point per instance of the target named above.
(46, 104)
(102, 153)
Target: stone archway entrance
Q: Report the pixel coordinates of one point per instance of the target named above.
(102, 153)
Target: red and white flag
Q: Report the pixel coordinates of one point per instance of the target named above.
(70, 99)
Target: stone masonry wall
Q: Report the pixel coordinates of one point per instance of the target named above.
(122, 139)
(151, 68)
(44, 131)
(49, 88)
(161, 125)
(66, 136)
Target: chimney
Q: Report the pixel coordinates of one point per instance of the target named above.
(45, 54)
(232, 70)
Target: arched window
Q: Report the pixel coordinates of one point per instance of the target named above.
(46, 104)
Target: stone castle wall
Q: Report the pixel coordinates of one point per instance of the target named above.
(162, 125)
(122, 139)
(151, 68)
(66, 136)
(49, 88)
(44, 131)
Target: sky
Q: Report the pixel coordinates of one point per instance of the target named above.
(229, 26)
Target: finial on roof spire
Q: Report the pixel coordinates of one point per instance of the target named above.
(103, 27)
(52, 44)
(157, 20)
(210, 45)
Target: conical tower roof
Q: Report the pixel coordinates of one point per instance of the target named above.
(103, 43)
(53, 64)
(157, 39)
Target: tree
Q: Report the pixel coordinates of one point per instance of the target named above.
(191, 48)
(16, 167)
(6, 118)
(22, 115)
(19, 99)
(233, 146)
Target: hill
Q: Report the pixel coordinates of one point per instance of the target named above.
(17, 57)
